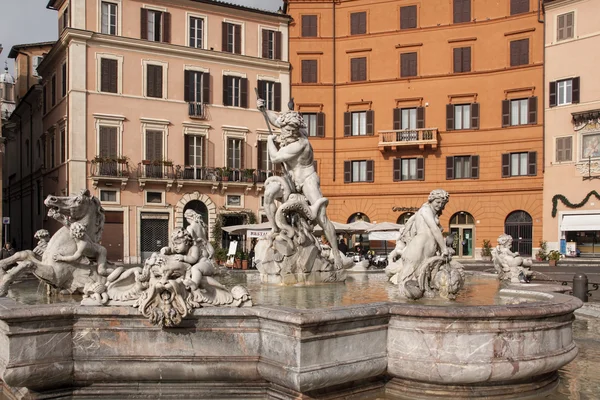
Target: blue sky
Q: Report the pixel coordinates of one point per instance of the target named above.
(28, 21)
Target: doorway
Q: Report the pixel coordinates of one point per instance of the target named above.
(112, 237)
(462, 226)
(154, 233)
(519, 225)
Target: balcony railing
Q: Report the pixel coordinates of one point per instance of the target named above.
(109, 168)
(196, 110)
(262, 175)
(156, 170)
(189, 173)
(409, 137)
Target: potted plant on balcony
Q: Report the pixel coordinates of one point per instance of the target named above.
(167, 163)
(122, 159)
(249, 175)
(98, 159)
(225, 173)
(486, 250)
(553, 257)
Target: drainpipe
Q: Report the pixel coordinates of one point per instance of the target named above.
(542, 21)
(30, 168)
(334, 93)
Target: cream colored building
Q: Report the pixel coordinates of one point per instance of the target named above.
(572, 126)
(146, 102)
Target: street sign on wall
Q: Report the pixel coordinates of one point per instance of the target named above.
(5, 220)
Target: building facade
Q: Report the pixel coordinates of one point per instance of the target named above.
(572, 165)
(24, 165)
(151, 106)
(403, 97)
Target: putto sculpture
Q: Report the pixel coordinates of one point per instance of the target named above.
(294, 204)
(166, 289)
(421, 264)
(509, 265)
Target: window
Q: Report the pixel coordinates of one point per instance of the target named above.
(44, 99)
(156, 25)
(194, 151)
(519, 164)
(52, 151)
(519, 112)
(408, 17)
(462, 11)
(235, 91)
(309, 71)
(154, 81)
(108, 22)
(565, 26)
(408, 64)
(519, 52)
(196, 32)
(108, 196)
(154, 197)
(196, 86)
(462, 59)
(27, 152)
(409, 169)
(564, 149)
(108, 145)
(315, 123)
(63, 21)
(271, 44)
(358, 23)
(358, 69)
(232, 38)
(53, 91)
(271, 93)
(462, 167)
(462, 116)
(409, 119)
(63, 144)
(519, 6)
(234, 200)
(109, 75)
(262, 158)
(309, 25)
(564, 92)
(63, 81)
(358, 171)
(36, 62)
(358, 123)
(235, 154)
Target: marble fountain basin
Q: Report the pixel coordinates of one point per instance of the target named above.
(510, 348)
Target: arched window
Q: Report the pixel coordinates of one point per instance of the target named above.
(358, 217)
(359, 239)
(404, 217)
(462, 218)
(197, 206)
(519, 225)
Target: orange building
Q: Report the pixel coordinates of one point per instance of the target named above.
(406, 96)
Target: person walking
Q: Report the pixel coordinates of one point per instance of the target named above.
(7, 251)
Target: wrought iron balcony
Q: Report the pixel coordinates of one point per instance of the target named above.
(408, 137)
(156, 170)
(193, 173)
(196, 110)
(110, 170)
(262, 175)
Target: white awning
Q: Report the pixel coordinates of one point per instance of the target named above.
(584, 222)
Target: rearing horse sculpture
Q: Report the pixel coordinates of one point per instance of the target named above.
(85, 212)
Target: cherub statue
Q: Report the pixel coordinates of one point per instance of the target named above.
(197, 229)
(85, 248)
(510, 265)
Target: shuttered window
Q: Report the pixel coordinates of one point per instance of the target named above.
(408, 64)
(270, 92)
(462, 59)
(262, 156)
(359, 123)
(519, 52)
(108, 142)
(408, 17)
(196, 26)
(409, 118)
(63, 145)
(564, 92)
(154, 81)
(53, 90)
(271, 44)
(358, 69)
(359, 171)
(462, 167)
(315, 123)
(235, 91)
(309, 25)
(64, 79)
(231, 38)
(309, 71)
(109, 75)
(155, 25)
(564, 149)
(565, 26)
(154, 145)
(519, 6)
(195, 151)
(235, 153)
(519, 112)
(519, 164)
(108, 18)
(461, 11)
(358, 23)
(462, 116)
(409, 169)
(196, 87)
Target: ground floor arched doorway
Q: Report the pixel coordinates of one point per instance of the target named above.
(462, 226)
(519, 225)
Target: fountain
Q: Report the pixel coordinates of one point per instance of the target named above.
(160, 331)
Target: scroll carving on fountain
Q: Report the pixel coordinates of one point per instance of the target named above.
(167, 288)
(421, 264)
(509, 265)
(294, 204)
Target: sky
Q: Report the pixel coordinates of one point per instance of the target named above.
(28, 21)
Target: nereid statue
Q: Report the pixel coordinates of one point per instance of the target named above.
(168, 287)
(509, 265)
(294, 204)
(421, 264)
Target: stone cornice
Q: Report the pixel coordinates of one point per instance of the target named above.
(550, 5)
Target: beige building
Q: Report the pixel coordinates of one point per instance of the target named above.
(572, 124)
(151, 106)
